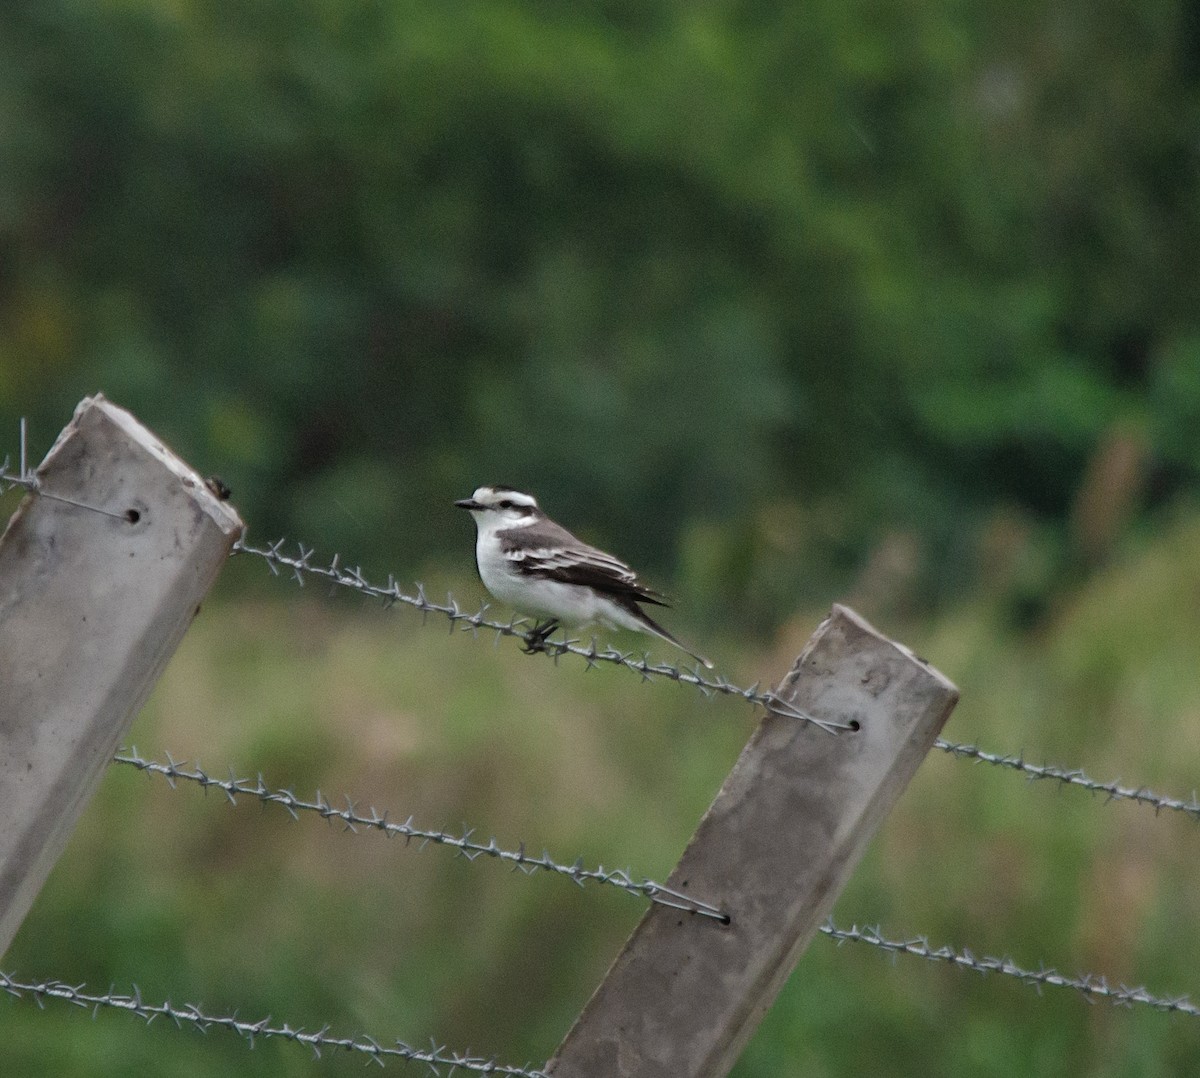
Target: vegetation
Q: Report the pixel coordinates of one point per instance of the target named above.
(787, 303)
(744, 288)
(243, 907)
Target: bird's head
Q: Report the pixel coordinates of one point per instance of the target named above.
(501, 507)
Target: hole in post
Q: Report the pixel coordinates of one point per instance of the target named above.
(725, 920)
(132, 515)
(855, 725)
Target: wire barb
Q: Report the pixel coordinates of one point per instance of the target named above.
(436, 1057)
(463, 843)
(1091, 985)
(391, 594)
(9, 479)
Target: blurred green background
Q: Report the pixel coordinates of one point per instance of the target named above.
(884, 303)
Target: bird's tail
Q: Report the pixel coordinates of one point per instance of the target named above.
(652, 626)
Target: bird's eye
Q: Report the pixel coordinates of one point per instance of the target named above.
(506, 504)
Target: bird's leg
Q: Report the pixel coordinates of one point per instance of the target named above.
(538, 635)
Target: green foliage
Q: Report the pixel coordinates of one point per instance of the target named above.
(683, 270)
(894, 303)
(241, 907)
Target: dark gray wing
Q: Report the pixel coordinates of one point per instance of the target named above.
(549, 551)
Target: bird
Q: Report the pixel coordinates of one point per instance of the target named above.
(538, 567)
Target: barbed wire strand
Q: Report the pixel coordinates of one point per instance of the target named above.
(1089, 984)
(465, 845)
(1113, 790)
(434, 1057)
(391, 594)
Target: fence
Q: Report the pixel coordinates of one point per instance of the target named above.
(787, 716)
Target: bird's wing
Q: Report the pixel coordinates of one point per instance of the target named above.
(553, 553)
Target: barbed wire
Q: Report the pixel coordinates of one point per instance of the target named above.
(391, 594)
(434, 1057)
(1091, 985)
(438, 1056)
(919, 946)
(1113, 790)
(465, 845)
(353, 578)
(515, 627)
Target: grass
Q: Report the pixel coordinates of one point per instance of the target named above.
(241, 907)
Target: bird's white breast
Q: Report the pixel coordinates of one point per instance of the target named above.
(542, 598)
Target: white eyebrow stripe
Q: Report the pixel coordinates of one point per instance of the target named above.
(517, 497)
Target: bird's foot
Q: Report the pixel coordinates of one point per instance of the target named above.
(536, 641)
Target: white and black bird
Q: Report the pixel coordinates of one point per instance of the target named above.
(541, 569)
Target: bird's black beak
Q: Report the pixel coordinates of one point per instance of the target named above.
(468, 503)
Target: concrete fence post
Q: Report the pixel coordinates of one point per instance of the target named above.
(774, 850)
(102, 569)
